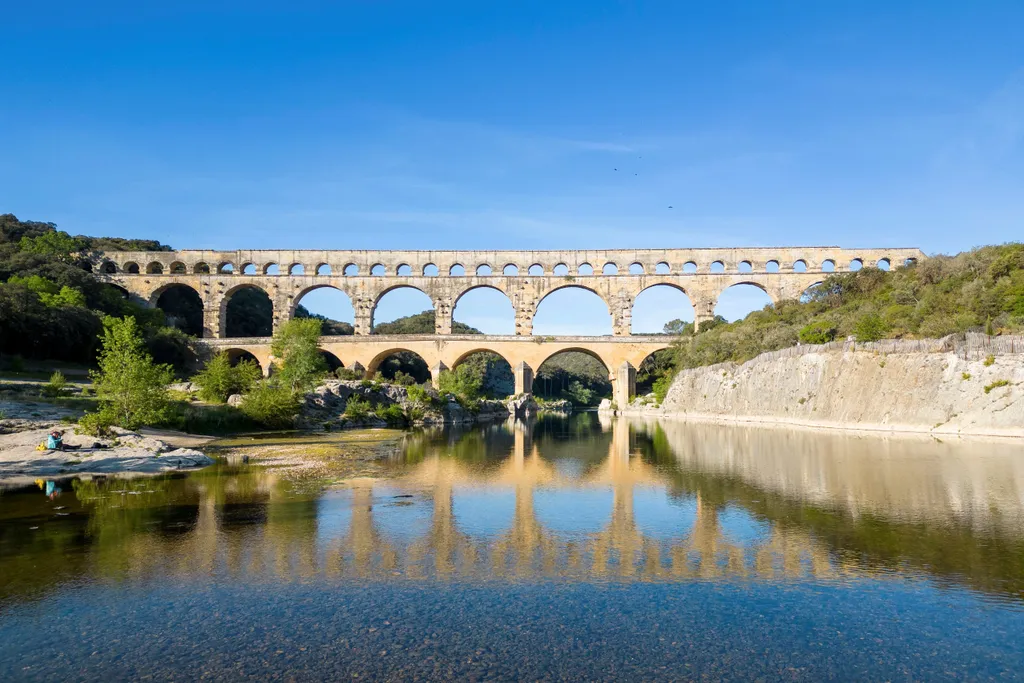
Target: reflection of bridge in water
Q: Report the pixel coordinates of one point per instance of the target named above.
(344, 536)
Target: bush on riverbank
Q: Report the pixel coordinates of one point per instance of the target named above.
(219, 379)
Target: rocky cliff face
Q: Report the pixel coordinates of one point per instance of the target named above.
(923, 392)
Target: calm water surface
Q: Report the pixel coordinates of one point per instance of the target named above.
(578, 548)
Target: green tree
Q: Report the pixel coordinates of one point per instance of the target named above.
(271, 405)
(296, 343)
(463, 382)
(219, 379)
(57, 244)
(818, 332)
(870, 327)
(131, 388)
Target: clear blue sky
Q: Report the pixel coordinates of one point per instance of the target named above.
(500, 125)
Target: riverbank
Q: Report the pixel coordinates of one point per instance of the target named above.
(125, 453)
(937, 393)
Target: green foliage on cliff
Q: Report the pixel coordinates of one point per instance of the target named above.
(981, 290)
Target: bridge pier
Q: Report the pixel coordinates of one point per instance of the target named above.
(524, 378)
(435, 373)
(623, 384)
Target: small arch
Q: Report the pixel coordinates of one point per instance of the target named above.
(636, 269)
(182, 307)
(883, 264)
(108, 267)
(404, 270)
(510, 269)
(350, 270)
(689, 267)
(856, 264)
(236, 356)
(378, 270)
(828, 266)
(772, 266)
(585, 269)
(484, 309)
(561, 269)
(457, 270)
(740, 300)
(249, 269)
(717, 267)
(297, 269)
(660, 309)
(431, 270)
(226, 268)
(178, 268)
(333, 362)
(155, 268)
(662, 268)
(131, 267)
(323, 269)
(201, 268)
(909, 261)
(535, 269)
(271, 269)
(247, 312)
(483, 269)
(800, 266)
(388, 363)
(653, 367)
(745, 267)
(610, 269)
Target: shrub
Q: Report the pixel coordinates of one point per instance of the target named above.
(296, 343)
(965, 376)
(870, 327)
(57, 386)
(392, 414)
(271, 405)
(404, 379)
(989, 360)
(818, 332)
(348, 373)
(462, 382)
(357, 408)
(418, 394)
(996, 384)
(661, 387)
(219, 379)
(96, 424)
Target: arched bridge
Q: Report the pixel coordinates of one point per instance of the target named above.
(525, 277)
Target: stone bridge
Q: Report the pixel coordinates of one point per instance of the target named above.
(525, 277)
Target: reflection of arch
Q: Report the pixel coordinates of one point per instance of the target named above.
(155, 268)
(178, 268)
(687, 313)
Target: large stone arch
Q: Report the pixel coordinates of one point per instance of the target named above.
(441, 308)
(609, 363)
(225, 300)
(299, 293)
(384, 291)
(455, 362)
(374, 365)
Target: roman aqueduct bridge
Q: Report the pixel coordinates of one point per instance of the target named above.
(525, 277)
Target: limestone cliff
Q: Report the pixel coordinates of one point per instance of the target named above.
(942, 393)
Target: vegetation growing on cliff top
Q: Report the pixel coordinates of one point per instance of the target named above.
(981, 289)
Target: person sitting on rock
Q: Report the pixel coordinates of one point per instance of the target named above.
(55, 442)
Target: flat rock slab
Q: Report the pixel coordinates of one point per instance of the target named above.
(127, 452)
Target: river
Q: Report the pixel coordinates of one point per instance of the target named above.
(580, 548)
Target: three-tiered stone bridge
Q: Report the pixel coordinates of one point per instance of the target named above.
(525, 277)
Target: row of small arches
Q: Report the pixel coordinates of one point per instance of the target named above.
(484, 269)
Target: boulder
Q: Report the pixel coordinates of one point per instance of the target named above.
(235, 400)
(605, 405)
